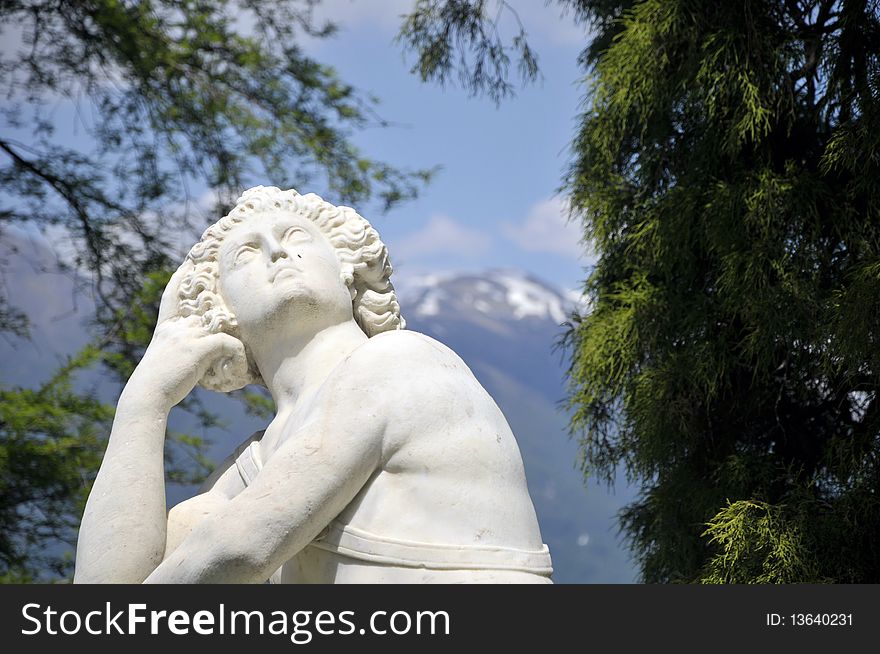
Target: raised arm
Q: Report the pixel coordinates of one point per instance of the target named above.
(123, 531)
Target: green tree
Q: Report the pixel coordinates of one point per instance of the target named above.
(726, 169)
(50, 441)
(166, 96)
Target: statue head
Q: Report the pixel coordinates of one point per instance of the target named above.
(362, 256)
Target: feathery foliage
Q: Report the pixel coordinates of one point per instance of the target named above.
(50, 443)
(725, 363)
(726, 169)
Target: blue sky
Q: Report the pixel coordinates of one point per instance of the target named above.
(494, 201)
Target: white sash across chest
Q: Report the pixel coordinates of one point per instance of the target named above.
(365, 546)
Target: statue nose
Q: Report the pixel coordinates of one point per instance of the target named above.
(277, 252)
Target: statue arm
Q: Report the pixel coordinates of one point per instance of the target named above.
(220, 487)
(307, 482)
(184, 517)
(123, 531)
(122, 535)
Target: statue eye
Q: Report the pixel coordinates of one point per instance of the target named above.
(295, 235)
(245, 253)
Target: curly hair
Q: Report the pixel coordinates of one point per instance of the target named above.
(361, 253)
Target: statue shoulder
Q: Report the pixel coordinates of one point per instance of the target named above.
(404, 360)
(408, 348)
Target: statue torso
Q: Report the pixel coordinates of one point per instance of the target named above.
(449, 502)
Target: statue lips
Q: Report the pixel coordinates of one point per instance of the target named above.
(283, 271)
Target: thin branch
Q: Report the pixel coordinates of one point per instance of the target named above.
(68, 193)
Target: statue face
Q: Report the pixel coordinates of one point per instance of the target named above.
(279, 269)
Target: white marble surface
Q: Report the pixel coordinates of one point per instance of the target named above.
(386, 461)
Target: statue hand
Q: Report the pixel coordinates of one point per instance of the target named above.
(179, 355)
(181, 352)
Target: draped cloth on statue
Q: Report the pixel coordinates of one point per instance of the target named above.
(364, 546)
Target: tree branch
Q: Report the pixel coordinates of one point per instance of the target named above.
(68, 193)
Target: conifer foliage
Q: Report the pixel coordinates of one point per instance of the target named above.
(726, 169)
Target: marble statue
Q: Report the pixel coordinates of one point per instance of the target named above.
(386, 461)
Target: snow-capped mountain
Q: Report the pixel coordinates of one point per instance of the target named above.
(504, 324)
(502, 293)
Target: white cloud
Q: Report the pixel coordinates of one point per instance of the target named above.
(442, 235)
(551, 22)
(384, 14)
(547, 229)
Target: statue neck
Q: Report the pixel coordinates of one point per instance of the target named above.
(295, 366)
